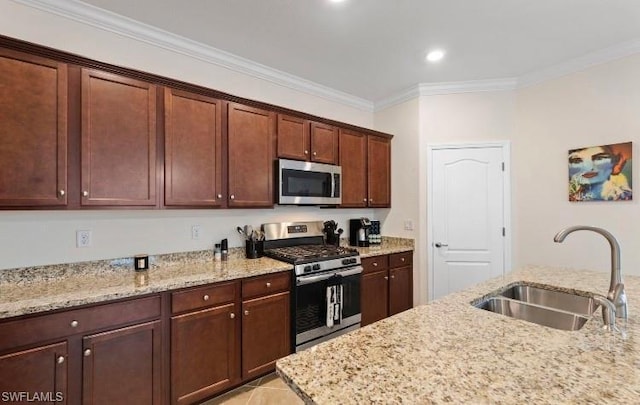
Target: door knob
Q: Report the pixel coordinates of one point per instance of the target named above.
(439, 245)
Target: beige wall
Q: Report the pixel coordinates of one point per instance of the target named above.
(594, 107)
(47, 237)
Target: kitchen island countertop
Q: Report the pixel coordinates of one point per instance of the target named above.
(451, 352)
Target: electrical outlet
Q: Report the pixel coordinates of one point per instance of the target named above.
(83, 238)
(408, 225)
(195, 232)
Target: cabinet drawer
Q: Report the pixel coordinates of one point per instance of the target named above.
(375, 263)
(267, 284)
(401, 259)
(41, 328)
(203, 297)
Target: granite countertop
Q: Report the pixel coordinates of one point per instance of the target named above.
(451, 352)
(39, 289)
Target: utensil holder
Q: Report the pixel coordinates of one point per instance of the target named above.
(253, 249)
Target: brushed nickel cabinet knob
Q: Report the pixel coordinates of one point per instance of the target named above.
(306, 152)
(206, 297)
(233, 197)
(60, 359)
(74, 324)
(315, 154)
(402, 259)
(61, 193)
(268, 285)
(219, 196)
(364, 199)
(85, 193)
(386, 278)
(246, 312)
(375, 264)
(232, 315)
(87, 353)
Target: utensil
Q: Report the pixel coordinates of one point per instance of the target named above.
(248, 231)
(241, 232)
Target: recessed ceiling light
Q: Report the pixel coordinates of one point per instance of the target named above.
(435, 56)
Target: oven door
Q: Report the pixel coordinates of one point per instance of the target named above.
(311, 304)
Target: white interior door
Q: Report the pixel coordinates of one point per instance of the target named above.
(467, 217)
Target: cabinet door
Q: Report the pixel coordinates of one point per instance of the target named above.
(379, 171)
(374, 297)
(33, 129)
(193, 150)
(38, 370)
(251, 154)
(400, 289)
(266, 336)
(118, 150)
(293, 137)
(205, 353)
(353, 159)
(324, 143)
(122, 365)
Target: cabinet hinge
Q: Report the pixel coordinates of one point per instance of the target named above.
(504, 231)
(503, 166)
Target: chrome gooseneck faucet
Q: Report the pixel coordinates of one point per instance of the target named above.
(616, 292)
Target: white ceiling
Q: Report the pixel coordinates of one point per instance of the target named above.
(374, 49)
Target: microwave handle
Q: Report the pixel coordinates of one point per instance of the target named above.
(333, 185)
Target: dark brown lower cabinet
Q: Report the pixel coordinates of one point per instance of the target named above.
(41, 369)
(266, 329)
(374, 296)
(387, 286)
(122, 365)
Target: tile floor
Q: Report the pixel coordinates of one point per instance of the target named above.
(268, 390)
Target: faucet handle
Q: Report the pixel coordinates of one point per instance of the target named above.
(620, 301)
(608, 312)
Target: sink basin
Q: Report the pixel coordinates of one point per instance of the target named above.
(534, 313)
(577, 304)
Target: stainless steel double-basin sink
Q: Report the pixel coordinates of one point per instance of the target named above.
(541, 305)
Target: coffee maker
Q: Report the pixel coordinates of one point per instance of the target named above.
(359, 232)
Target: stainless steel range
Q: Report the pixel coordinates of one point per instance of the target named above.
(326, 296)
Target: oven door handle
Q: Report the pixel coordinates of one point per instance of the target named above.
(314, 279)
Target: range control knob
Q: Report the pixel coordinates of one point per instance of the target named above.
(307, 269)
(316, 267)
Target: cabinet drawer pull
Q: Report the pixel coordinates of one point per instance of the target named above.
(402, 259)
(85, 194)
(392, 277)
(375, 264)
(315, 153)
(233, 197)
(74, 324)
(364, 199)
(246, 312)
(219, 196)
(206, 297)
(87, 353)
(232, 315)
(60, 359)
(386, 278)
(306, 152)
(61, 193)
(268, 285)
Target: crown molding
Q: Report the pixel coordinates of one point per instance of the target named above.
(580, 63)
(117, 24)
(437, 89)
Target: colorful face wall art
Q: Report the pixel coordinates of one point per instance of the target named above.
(600, 173)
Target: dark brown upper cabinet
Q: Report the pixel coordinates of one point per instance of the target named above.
(33, 131)
(193, 150)
(366, 170)
(353, 159)
(251, 152)
(378, 171)
(293, 138)
(118, 141)
(324, 143)
(301, 139)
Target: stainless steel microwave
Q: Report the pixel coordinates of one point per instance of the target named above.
(306, 183)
